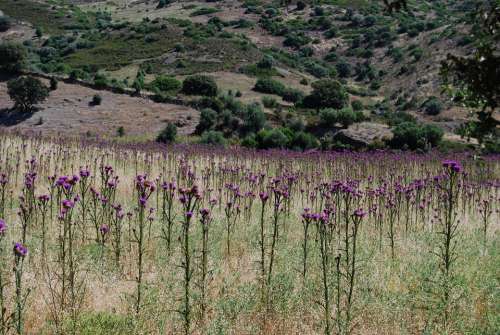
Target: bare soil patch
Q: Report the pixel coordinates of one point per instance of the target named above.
(68, 112)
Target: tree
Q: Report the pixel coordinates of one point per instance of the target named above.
(344, 69)
(213, 138)
(166, 84)
(327, 93)
(5, 23)
(26, 92)
(416, 136)
(12, 57)
(200, 85)
(346, 117)
(208, 120)
(168, 134)
(474, 81)
(254, 119)
(274, 138)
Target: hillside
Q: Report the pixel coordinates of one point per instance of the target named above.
(387, 63)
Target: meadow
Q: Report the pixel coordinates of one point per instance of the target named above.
(102, 238)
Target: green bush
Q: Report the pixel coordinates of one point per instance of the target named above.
(272, 139)
(346, 117)
(213, 138)
(303, 141)
(357, 105)
(344, 69)
(254, 119)
(12, 57)
(166, 84)
(269, 86)
(409, 135)
(293, 95)
(269, 102)
(168, 134)
(393, 119)
(200, 85)
(433, 106)
(267, 62)
(208, 120)
(96, 100)
(5, 23)
(327, 93)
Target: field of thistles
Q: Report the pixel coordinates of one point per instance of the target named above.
(126, 239)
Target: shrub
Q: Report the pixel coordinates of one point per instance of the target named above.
(415, 136)
(53, 84)
(346, 117)
(12, 57)
(303, 141)
(100, 81)
(26, 92)
(344, 69)
(393, 119)
(168, 134)
(357, 105)
(274, 138)
(96, 100)
(433, 106)
(292, 95)
(166, 84)
(301, 5)
(267, 62)
(254, 119)
(5, 23)
(296, 40)
(213, 138)
(249, 141)
(200, 85)
(120, 131)
(208, 120)
(269, 102)
(327, 93)
(269, 86)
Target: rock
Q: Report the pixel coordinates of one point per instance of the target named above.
(364, 134)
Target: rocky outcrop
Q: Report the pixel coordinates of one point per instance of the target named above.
(364, 134)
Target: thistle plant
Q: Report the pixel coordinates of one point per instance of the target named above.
(447, 235)
(43, 207)
(144, 189)
(189, 198)
(116, 225)
(167, 212)
(20, 252)
(205, 222)
(3, 193)
(4, 315)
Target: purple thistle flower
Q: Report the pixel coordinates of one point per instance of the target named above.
(68, 204)
(20, 250)
(359, 213)
(3, 227)
(104, 229)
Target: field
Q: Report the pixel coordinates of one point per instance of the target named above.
(146, 239)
